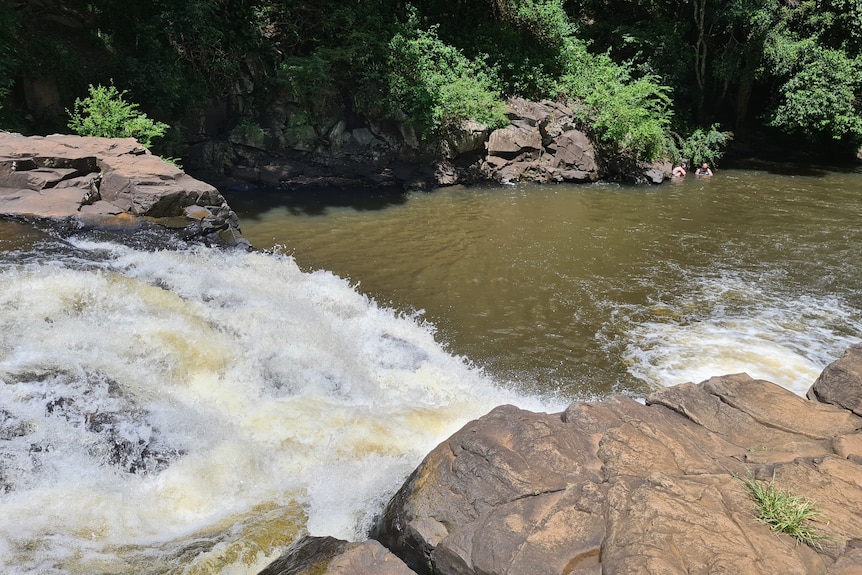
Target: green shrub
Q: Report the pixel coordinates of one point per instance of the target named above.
(310, 79)
(105, 113)
(821, 98)
(704, 145)
(626, 113)
(436, 86)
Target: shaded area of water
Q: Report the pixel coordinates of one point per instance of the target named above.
(588, 290)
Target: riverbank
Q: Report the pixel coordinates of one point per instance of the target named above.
(617, 486)
(545, 142)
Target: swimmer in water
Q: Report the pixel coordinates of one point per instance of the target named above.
(704, 170)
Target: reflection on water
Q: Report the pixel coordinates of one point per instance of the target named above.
(587, 290)
(254, 202)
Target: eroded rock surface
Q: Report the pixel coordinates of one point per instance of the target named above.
(107, 182)
(622, 487)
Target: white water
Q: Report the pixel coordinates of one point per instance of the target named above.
(733, 323)
(600, 289)
(195, 412)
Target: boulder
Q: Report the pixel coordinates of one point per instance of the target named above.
(108, 182)
(574, 151)
(467, 138)
(838, 384)
(542, 144)
(513, 141)
(657, 172)
(620, 486)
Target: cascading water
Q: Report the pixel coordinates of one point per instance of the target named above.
(195, 411)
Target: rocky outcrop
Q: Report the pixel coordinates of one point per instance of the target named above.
(103, 182)
(623, 487)
(286, 152)
(659, 487)
(545, 142)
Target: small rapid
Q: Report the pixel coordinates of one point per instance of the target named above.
(589, 290)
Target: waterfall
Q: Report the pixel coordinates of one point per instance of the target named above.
(196, 410)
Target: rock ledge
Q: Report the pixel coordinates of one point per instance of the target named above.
(108, 182)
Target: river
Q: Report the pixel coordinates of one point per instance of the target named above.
(589, 290)
(190, 410)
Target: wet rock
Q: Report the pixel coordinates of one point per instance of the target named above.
(619, 486)
(329, 556)
(103, 182)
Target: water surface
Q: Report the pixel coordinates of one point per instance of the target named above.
(597, 289)
(178, 410)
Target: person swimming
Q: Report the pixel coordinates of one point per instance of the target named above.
(703, 170)
(679, 171)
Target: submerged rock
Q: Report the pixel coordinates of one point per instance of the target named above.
(105, 183)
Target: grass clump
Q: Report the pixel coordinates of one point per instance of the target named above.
(784, 512)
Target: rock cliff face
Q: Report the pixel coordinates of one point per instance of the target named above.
(104, 182)
(619, 486)
(544, 143)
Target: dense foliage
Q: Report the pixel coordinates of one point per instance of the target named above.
(105, 113)
(792, 65)
(659, 78)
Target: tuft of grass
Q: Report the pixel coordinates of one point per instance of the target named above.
(784, 512)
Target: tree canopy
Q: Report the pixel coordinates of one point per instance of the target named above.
(647, 76)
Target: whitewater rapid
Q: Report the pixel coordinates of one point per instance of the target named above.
(197, 410)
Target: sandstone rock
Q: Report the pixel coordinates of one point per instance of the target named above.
(469, 137)
(618, 486)
(92, 181)
(329, 556)
(658, 172)
(513, 140)
(839, 384)
(575, 151)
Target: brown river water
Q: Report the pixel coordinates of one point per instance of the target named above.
(194, 411)
(586, 290)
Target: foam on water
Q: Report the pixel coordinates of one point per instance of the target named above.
(166, 407)
(735, 323)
